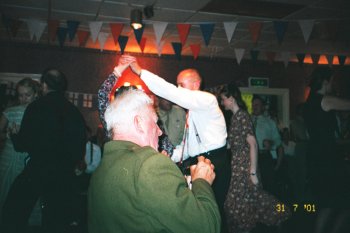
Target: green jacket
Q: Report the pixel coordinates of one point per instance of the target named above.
(136, 189)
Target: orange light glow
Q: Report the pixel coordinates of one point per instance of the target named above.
(128, 78)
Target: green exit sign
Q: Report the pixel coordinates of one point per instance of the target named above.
(258, 82)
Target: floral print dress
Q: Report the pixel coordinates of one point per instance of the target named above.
(247, 204)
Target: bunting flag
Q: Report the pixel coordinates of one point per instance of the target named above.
(285, 58)
(183, 30)
(138, 34)
(270, 57)
(160, 48)
(122, 41)
(116, 30)
(82, 37)
(53, 25)
(207, 31)
(102, 37)
(330, 59)
(72, 28)
(255, 29)
(239, 55)
(306, 27)
(95, 28)
(331, 29)
(301, 57)
(177, 49)
(142, 44)
(230, 28)
(195, 48)
(61, 34)
(36, 28)
(315, 58)
(341, 59)
(280, 28)
(254, 55)
(159, 29)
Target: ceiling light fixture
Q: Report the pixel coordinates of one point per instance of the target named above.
(136, 19)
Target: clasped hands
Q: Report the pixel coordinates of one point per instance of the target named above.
(204, 169)
(124, 62)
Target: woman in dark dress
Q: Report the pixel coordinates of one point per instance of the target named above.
(329, 183)
(246, 203)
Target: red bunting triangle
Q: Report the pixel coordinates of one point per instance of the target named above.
(255, 29)
(116, 29)
(183, 30)
(82, 37)
(142, 44)
(195, 50)
(52, 27)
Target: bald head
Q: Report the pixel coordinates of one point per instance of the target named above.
(189, 79)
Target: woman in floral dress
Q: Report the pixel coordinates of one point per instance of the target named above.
(246, 203)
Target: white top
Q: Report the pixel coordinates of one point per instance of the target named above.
(92, 164)
(204, 114)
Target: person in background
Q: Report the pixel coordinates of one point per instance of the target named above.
(246, 203)
(104, 93)
(173, 118)
(269, 142)
(12, 162)
(53, 134)
(205, 132)
(136, 188)
(329, 179)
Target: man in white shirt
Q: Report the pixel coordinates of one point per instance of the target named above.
(206, 132)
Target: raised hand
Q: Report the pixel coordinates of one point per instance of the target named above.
(123, 63)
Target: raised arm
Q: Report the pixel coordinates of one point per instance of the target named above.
(105, 89)
(335, 103)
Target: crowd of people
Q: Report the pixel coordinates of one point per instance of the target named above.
(171, 162)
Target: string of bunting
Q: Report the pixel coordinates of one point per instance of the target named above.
(56, 31)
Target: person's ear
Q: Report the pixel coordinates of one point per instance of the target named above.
(138, 124)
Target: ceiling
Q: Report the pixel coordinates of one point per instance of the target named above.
(330, 34)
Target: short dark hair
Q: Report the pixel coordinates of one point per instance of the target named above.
(54, 79)
(319, 74)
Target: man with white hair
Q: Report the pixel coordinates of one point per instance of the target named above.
(136, 188)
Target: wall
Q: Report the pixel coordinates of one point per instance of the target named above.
(86, 69)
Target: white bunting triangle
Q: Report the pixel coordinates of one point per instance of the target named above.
(102, 37)
(285, 58)
(239, 55)
(95, 28)
(160, 48)
(306, 27)
(159, 28)
(230, 28)
(36, 28)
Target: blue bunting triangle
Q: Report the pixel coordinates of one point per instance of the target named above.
(138, 34)
(122, 40)
(207, 31)
(301, 57)
(72, 28)
(341, 59)
(177, 49)
(280, 28)
(61, 35)
(254, 55)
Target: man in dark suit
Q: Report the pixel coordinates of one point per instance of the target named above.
(53, 134)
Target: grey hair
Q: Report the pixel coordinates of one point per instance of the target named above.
(120, 113)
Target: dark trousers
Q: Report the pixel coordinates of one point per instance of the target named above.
(220, 159)
(56, 192)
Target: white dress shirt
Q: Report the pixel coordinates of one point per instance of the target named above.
(204, 114)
